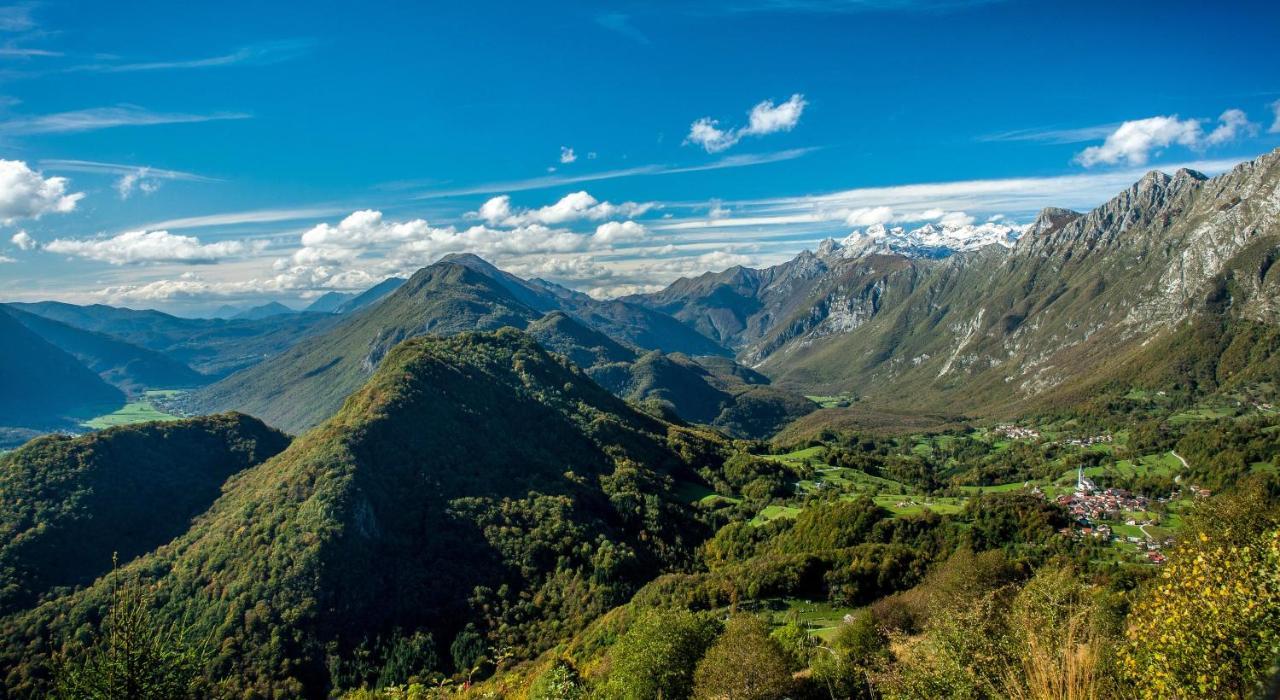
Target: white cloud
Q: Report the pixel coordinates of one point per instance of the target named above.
(768, 118)
(135, 247)
(1133, 142)
(576, 206)
(6, 259)
(867, 216)
(614, 232)
(955, 219)
(765, 118)
(1231, 125)
(24, 241)
(567, 155)
(1275, 113)
(707, 133)
(26, 194)
(140, 180)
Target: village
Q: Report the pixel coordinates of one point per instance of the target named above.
(1094, 510)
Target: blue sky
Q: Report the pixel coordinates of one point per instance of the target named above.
(186, 155)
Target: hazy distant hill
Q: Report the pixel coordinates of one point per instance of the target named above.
(44, 387)
(328, 302)
(214, 347)
(472, 475)
(128, 367)
(267, 310)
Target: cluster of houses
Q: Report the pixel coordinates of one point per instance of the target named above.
(1103, 439)
(1016, 432)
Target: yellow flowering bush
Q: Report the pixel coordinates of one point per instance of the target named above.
(1210, 624)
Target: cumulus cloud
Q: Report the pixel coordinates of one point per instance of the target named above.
(763, 119)
(955, 219)
(1133, 142)
(6, 259)
(26, 194)
(1275, 114)
(613, 232)
(868, 216)
(567, 155)
(1232, 124)
(365, 246)
(24, 241)
(576, 206)
(135, 247)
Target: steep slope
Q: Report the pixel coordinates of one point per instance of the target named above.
(211, 346)
(68, 504)
(125, 366)
(474, 478)
(739, 306)
(370, 296)
(44, 387)
(307, 383)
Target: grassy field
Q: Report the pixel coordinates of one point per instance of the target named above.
(836, 401)
(139, 411)
(819, 617)
(774, 512)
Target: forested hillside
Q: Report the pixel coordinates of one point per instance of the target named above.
(475, 486)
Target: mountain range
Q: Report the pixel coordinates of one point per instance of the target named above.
(999, 328)
(638, 353)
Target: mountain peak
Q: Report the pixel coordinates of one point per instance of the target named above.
(469, 259)
(1050, 219)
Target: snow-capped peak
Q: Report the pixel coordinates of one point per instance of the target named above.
(932, 240)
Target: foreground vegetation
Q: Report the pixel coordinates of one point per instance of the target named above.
(423, 543)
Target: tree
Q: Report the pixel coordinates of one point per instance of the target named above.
(468, 649)
(130, 656)
(657, 656)
(407, 657)
(560, 681)
(744, 664)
